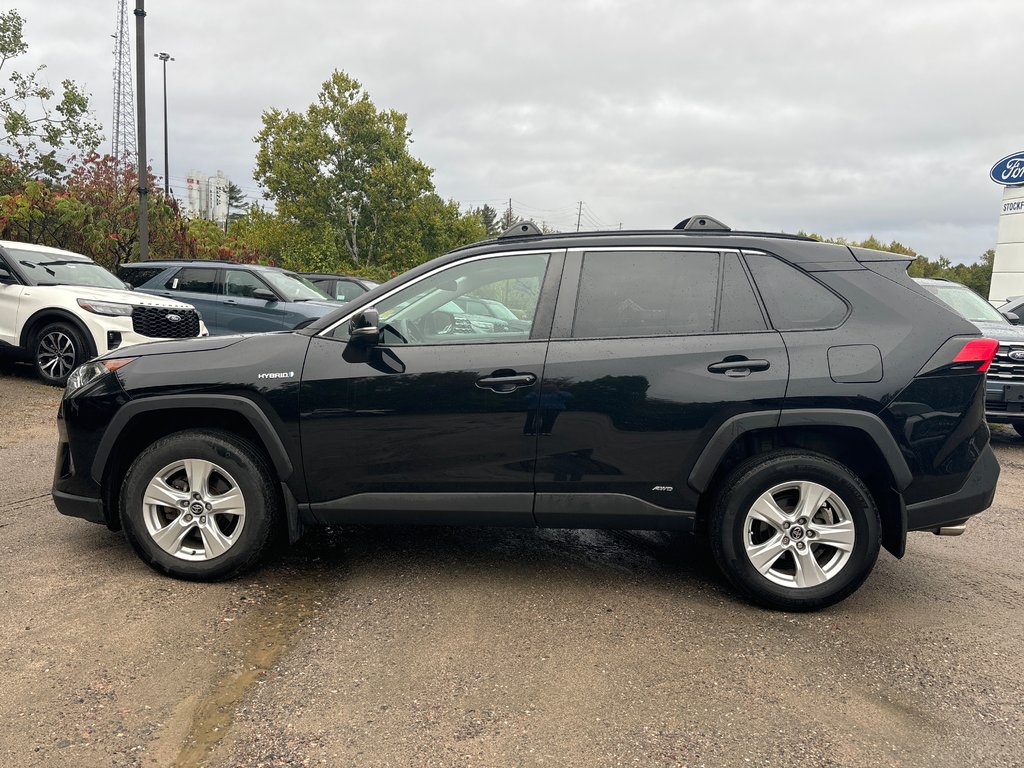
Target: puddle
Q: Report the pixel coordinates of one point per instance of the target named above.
(271, 628)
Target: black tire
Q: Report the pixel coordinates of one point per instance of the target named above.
(849, 502)
(57, 349)
(1019, 429)
(237, 463)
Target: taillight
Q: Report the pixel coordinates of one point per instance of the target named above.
(980, 351)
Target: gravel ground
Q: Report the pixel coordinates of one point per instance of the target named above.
(477, 647)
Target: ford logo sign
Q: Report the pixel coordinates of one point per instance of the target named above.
(1009, 171)
(174, 318)
(1017, 354)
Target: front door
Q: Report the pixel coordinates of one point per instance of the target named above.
(651, 352)
(433, 423)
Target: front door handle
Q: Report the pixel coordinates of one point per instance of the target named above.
(737, 367)
(506, 381)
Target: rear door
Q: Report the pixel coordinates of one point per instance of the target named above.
(201, 287)
(652, 350)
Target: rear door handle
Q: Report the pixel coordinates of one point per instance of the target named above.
(738, 367)
(505, 381)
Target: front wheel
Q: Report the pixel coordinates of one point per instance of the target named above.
(57, 350)
(200, 505)
(795, 530)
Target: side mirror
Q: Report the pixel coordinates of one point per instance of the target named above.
(363, 329)
(1011, 317)
(6, 276)
(264, 294)
(128, 286)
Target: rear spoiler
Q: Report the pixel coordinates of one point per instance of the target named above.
(870, 255)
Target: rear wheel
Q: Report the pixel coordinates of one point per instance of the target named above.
(796, 531)
(57, 350)
(199, 505)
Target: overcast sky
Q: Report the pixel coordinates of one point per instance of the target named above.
(844, 118)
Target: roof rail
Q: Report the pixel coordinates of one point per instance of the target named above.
(521, 229)
(702, 221)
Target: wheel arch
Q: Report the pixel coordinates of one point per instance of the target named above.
(138, 423)
(51, 315)
(857, 439)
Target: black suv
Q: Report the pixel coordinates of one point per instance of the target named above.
(799, 404)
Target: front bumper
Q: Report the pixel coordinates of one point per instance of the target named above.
(974, 496)
(79, 506)
(1004, 401)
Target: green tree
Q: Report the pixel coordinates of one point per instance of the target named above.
(343, 167)
(489, 218)
(31, 124)
(237, 202)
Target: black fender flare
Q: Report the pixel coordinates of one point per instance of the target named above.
(727, 434)
(54, 314)
(241, 405)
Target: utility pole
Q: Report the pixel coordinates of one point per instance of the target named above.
(578, 216)
(165, 57)
(140, 75)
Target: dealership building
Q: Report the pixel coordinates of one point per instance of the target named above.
(1008, 269)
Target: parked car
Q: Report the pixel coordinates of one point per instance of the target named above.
(798, 404)
(493, 312)
(340, 287)
(60, 308)
(234, 298)
(1004, 389)
(1012, 309)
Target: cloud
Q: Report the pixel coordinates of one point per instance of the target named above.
(846, 119)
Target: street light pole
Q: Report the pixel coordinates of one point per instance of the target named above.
(165, 57)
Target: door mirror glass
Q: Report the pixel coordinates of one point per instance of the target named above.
(264, 294)
(364, 327)
(1011, 317)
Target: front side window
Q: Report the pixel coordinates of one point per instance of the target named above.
(194, 280)
(646, 293)
(431, 311)
(242, 284)
(345, 290)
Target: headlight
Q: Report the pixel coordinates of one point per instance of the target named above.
(83, 374)
(106, 308)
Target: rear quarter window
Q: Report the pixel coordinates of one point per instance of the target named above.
(136, 276)
(795, 301)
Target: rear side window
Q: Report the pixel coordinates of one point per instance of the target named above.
(795, 301)
(194, 280)
(646, 293)
(136, 276)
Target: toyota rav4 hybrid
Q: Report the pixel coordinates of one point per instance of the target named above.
(62, 308)
(797, 404)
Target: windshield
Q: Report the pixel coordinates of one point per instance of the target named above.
(293, 287)
(52, 269)
(966, 303)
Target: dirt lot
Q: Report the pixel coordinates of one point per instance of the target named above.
(471, 647)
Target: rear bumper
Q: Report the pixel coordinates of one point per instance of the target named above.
(974, 496)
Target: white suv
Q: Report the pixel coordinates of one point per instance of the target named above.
(63, 308)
